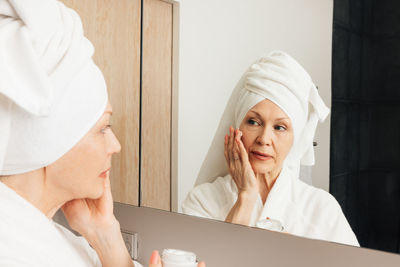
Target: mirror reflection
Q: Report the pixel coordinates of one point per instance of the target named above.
(329, 200)
(230, 42)
(251, 174)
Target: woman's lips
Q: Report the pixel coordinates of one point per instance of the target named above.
(104, 174)
(261, 156)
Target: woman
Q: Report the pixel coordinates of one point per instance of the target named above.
(56, 143)
(250, 176)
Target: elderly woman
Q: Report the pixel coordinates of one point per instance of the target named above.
(251, 175)
(56, 143)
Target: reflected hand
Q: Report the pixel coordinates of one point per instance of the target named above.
(242, 173)
(155, 260)
(238, 163)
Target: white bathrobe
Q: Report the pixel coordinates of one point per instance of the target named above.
(29, 238)
(26, 231)
(302, 209)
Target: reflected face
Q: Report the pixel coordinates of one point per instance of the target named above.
(80, 173)
(267, 136)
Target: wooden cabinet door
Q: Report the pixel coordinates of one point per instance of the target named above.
(114, 29)
(156, 104)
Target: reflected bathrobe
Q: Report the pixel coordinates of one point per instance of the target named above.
(302, 209)
(29, 238)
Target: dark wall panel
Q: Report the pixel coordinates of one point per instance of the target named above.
(365, 137)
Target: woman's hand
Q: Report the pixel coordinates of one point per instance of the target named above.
(89, 215)
(94, 220)
(155, 260)
(238, 163)
(243, 175)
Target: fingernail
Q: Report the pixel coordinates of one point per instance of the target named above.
(155, 257)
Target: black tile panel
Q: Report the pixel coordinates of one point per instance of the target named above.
(380, 148)
(340, 70)
(365, 122)
(338, 190)
(354, 66)
(383, 209)
(392, 81)
(386, 18)
(342, 11)
(368, 8)
(353, 138)
(356, 15)
(383, 63)
(339, 140)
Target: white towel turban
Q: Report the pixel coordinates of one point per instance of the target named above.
(51, 92)
(281, 79)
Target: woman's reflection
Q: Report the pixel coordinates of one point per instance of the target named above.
(250, 175)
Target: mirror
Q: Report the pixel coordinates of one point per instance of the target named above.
(219, 40)
(215, 52)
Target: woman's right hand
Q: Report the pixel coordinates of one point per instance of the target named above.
(155, 260)
(238, 163)
(244, 177)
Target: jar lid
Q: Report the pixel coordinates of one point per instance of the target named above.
(270, 224)
(178, 256)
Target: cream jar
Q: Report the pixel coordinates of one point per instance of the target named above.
(178, 258)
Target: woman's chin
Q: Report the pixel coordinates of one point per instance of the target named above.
(261, 168)
(96, 191)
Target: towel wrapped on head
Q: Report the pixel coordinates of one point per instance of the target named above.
(51, 92)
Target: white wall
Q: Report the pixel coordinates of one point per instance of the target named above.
(218, 40)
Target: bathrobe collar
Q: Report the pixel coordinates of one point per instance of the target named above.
(25, 229)
(279, 201)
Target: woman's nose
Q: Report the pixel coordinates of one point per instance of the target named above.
(265, 137)
(115, 146)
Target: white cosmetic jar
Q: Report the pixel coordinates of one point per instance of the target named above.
(178, 258)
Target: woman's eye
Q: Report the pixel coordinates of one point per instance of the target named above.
(106, 128)
(280, 128)
(253, 122)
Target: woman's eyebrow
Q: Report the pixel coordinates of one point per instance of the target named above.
(255, 112)
(282, 119)
(277, 119)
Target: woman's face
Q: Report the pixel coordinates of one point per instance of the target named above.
(267, 136)
(80, 173)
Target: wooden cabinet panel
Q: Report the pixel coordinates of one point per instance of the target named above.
(114, 29)
(156, 104)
